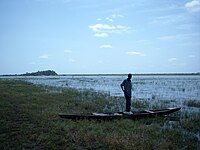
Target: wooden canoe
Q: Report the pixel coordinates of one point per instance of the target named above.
(120, 115)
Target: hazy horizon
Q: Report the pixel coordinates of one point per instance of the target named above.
(126, 73)
(100, 37)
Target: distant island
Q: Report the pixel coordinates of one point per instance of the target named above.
(38, 73)
(41, 73)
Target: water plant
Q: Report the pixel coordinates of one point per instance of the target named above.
(192, 103)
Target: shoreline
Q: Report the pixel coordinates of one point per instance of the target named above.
(110, 74)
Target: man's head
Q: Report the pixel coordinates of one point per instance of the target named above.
(129, 76)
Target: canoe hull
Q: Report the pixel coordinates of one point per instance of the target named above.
(120, 115)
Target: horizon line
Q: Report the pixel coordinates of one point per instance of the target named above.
(113, 74)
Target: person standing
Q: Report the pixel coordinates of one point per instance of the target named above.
(126, 87)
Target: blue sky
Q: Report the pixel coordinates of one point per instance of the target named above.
(100, 36)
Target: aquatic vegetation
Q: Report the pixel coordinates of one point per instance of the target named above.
(140, 104)
(153, 87)
(192, 103)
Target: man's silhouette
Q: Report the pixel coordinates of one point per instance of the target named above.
(126, 87)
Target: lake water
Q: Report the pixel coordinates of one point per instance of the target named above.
(151, 87)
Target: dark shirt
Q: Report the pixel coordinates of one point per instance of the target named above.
(127, 87)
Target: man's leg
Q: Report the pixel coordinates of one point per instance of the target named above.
(128, 103)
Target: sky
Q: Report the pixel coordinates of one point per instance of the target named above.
(100, 36)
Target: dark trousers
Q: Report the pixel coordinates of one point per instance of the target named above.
(128, 102)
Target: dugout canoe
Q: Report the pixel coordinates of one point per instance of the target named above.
(120, 115)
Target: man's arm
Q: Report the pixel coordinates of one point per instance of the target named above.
(122, 86)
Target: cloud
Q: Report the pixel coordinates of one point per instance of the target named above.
(109, 19)
(178, 64)
(168, 37)
(105, 46)
(99, 19)
(101, 35)
(184, 38)
(104, 29)
(191, 56)
(45, 56)
(135, 53)
(193, 6)
(167, 19)
(67, 51)
(173, 62)
(107, 29)
(172, 59)
(101, 27)
(117, 16)
(71, 60)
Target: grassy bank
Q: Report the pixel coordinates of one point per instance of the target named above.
(29, 120)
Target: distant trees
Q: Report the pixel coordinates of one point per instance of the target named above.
(41, 73)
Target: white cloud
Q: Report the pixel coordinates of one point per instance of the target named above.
(101, 35)
(105, 46)
(117, 16)
(67, 51)
(172, 59)
(45, 56)
(121, 27)
(193, 6)
(106, 29)
(71, 60)
(99, 19)
(191, 56)
(101, 27)
(174, 62)
(109, 19)
(135, 53)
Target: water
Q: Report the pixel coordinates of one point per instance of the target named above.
(154, 87)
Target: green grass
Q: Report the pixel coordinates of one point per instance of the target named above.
(29, 120)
